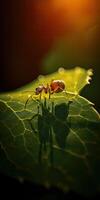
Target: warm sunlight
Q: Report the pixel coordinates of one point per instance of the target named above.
(80, 12)
(77, 14)
(59, 3)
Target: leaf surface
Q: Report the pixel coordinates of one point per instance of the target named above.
(54, 142)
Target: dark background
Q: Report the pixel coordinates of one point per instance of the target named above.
(40, 36)
(13, 188)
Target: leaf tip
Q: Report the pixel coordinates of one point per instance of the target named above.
(89, 74)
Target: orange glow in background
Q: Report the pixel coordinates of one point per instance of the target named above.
(33, 30)
(78, 13)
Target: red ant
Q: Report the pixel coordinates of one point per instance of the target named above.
(55, 86)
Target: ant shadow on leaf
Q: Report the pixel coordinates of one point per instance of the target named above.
(60, 125)
(51, 122)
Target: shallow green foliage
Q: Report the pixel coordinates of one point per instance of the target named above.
(56, 141)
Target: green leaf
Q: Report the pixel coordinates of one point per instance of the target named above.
(56, 141)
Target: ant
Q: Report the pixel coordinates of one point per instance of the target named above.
(50, 119)
(55, 86)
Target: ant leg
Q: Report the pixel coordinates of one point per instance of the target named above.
(40, 152)
(49, 93)
(45, 102)
(51, 147)
(28, 100)
(33, 128)
(40, 95)
(36, 115)
(43, 106)
(29, 120)
(52, 108)
(44, 146)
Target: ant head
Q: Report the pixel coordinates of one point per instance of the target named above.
(39, 89)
